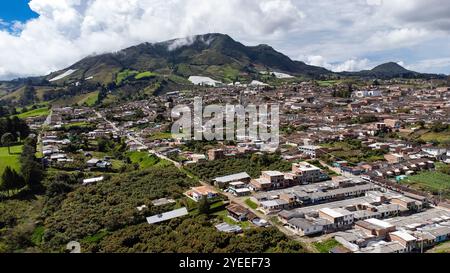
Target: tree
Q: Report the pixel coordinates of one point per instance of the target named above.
(31, 169)
(7, 139)
(29, 95)
(11, 180)
(203, 205)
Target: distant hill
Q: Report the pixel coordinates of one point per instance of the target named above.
(215, 55)
(391, 70)
(155, 68)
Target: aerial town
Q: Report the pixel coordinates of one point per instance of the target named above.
(367, 173)
(218, 136)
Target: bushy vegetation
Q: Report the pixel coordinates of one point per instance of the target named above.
(109, 205)
(195, 235)
(15, 126)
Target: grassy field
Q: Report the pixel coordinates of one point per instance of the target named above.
(44, 111)
(326, 246)
(443, 137)
(440, 248)
(251, 204)
(430, 181)
(121, 76)
(327, 83)
(144, 159)
(160, 136)
(144, 75)
(9, 160)
(89, 99)
(78, 124)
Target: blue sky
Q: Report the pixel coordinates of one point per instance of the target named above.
(340, 35)
(16, 10)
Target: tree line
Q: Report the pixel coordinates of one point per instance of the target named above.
(31, 170)
(18, 128)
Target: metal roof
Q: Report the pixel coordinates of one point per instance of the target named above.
(167, 216)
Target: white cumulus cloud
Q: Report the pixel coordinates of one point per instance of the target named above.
(67, 30)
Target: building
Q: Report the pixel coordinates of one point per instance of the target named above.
(167, 216)
(238, 212)
(409, 203)
(197, 193)
(239, 189)
(374, 227)
(224, 181)
(274, 206)
(384, 247)
(338, 217)
(308, 173)
(405, 239)
(304, 227)
(367, 93)
(215, 154)
(93, 180)
(312, 151)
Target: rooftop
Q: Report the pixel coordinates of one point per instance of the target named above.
(167, 216)
(232, 178)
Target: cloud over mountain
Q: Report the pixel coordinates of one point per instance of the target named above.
(346, 34)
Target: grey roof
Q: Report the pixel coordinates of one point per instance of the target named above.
(233, 177)
(224, 227)
(167, 216)
(301, 223)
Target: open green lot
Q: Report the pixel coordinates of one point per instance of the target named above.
(430, 181)
(44, 111)
(11, 160)
(146, 74)
(146, 160)
(326, 246)
(89, 99)
(442, 137)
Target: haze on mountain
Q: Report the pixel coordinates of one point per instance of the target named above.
(210, 55)
(169, 64)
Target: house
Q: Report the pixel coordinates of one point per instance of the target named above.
(405, 239)
(441, 234)
(238, 212)
(224, 181)
(375, 227)
(304, 227)
(92, 163)
(239, 189)
(312, 151)
(409, 203)
(269, 180)
(93, 180)
(308, 173)
(215, 154)
(273, 206)
(367, 93)
(167, 216)
(197, 157)
(97, 163)
(197, 193)
(338, 217)
(384, 247)
(224, 227)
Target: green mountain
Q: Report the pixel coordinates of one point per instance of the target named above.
(214, 55)
(391, 70)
